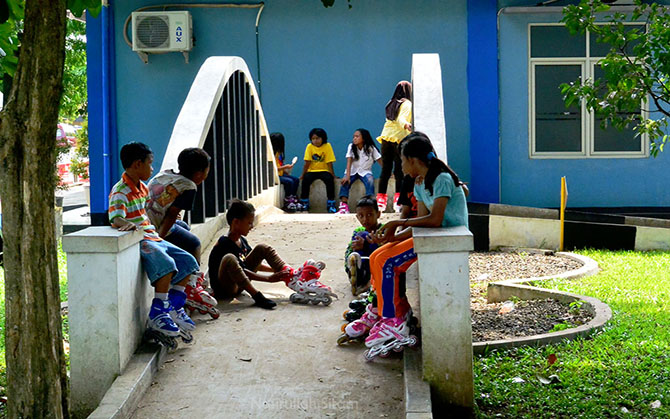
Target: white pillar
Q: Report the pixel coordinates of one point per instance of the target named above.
(446, 328)
(108, 301)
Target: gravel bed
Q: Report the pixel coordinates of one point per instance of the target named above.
(519, 318)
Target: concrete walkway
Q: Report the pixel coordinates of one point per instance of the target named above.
(282, 363)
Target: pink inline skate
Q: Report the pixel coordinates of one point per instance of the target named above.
(305, 283)
(357, 329)
(199, 299)
(389, 334)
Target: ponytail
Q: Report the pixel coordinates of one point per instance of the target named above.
(435, 167)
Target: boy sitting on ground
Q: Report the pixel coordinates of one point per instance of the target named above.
(233, 264)
(167, 266)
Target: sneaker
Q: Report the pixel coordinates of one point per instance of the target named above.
(330, 204)
(382, 200)
(178, 315)
(343, 209)
(159, 318)
(263, 302)
(396, 207)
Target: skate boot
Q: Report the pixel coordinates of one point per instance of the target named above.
(357, 274)
(308, 289)
(396, 207)
(305, 205)
(343, 209)
(289, 205)
(294, 204)
(357, 330)
(179, 316)
(199, 299)
(330, 205)
(356, 309)
(382, 200)
(389, 334)
(160, 327)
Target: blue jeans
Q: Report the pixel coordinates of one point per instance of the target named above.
(368, 180)
(161, 258)
(180, 235)
(290, 184)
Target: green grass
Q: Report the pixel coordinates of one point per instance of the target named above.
(62, 273)
(626, 365)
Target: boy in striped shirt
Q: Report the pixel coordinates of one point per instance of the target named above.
(167, 266)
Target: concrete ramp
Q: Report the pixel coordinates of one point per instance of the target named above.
(282, 363)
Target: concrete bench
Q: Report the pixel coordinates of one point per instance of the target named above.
(446, 328)
(317, 194)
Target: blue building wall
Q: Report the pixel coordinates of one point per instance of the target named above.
(592, 182)
(333, 68)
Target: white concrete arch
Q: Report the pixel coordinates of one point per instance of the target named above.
(196, 115)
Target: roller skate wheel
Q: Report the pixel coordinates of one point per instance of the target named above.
(344, 314)
(385, 353)
(343, 339)
(215, 313)
(412, 341)
(327, 301)
(397, 348)
(171, 344)
(201, 311)
(344, 326)
(369, 356)
(314, 302)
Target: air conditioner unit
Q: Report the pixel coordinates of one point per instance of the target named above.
(162, 31)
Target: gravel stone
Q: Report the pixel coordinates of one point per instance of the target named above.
(526, 318)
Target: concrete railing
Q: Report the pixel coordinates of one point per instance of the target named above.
(108, 302)
(446, 326)
(223, 115)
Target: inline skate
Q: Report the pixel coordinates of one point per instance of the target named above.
(308, 289)
(356, 308)
(179, 316)
(199, 299)
(160, 326)
(359, 273)
(357, 329)
(389, 334)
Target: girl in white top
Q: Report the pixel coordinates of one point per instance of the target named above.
(362, 153)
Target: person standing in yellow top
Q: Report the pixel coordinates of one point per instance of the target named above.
(398, 125)
(319, 158)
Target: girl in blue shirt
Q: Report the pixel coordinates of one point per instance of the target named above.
(441, 202)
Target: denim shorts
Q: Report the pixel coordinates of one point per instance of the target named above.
(161, 258)
(181, 236)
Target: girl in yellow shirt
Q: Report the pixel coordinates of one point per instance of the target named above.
(319, 158)
(398, 125)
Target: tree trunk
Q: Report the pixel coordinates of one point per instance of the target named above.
(37, 384)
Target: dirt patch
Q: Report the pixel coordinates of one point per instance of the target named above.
(519, 318)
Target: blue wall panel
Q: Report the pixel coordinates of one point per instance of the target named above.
(601, 182)
(333, 68)
(483, 94)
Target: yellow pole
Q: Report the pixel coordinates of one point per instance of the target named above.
(564, 201)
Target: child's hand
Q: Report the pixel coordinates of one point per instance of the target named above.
(345, 180)
(280, 276)
(358, 243)
(387, 232)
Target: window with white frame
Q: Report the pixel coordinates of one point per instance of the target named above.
(556, 57)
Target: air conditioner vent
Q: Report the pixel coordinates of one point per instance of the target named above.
(156, 32)
(153, 32)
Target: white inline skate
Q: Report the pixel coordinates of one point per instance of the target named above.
(199, 299)
(389, 334)
(308, 289)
